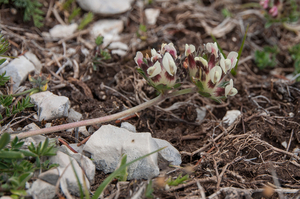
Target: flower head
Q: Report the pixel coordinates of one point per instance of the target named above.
(208, 72)
(160, 68)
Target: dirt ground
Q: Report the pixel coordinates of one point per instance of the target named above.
(245, 160)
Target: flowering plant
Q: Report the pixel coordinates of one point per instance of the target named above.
(207, 72)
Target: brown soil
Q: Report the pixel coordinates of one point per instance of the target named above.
(244, 160)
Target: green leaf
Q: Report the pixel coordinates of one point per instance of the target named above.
(11, 155)
(24, 178)
(88, 18)
(123, 174)
(179, 180)
(4, 140)
(204, 94)
(104, 184)
(44, 146)
(177, 85)
(199, 85)
(149, 190)
(99, 40)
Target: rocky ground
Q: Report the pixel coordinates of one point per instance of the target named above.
(254, 154)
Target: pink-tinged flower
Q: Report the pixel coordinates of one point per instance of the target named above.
(170, 49)
(169, 64)
(215, 74)
(160, 68)
(230, 62)
(154, 55)
(189, 49)
(213, 49)
(264, 3)
(139, 58)
(274, 11)
(154, 70)
(229, 90)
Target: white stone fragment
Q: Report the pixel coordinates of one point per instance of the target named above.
(109, 29)
(107, 145)
(68, 180)
(152, 15)
(62, 31)
(118, 45)
(128, 126)
(120, 52)
(85, 163)
(50, 106)
(18, 69)
(284, 144)
(51, 176)
(74, 116)
(170, 154)
(36, 62)
(231, 116)
(42, 189)
(106, 7)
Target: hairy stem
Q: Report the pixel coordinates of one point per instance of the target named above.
(108, 118)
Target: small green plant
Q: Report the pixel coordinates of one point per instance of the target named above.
(100, 53)
(149, 190)
(88, 18)
(266, 57)
(226, 12)
(295, 53)
(178, 180)
(15, 167)
(142, 32)
(31, 10)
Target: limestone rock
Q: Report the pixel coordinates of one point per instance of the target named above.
(50, 106)
(106, 7)
(108, 143)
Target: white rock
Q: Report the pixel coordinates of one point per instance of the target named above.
(62, 31)
(50, 176)
(47, 125)
(152, 15)
(231, 116)
(30, 127)
(83, 131)
(128, 126)
(50, 106)
(87, 165)
(42, 189)
(170, 154)
(68, 181)
(33, 59)
(109, 29)
(106, 7)
(108, 143)
(74, 116)
(18, 69)
(120, 52)
(118, 45)
(79, 149)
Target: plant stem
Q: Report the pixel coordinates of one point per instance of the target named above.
(108, 118)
